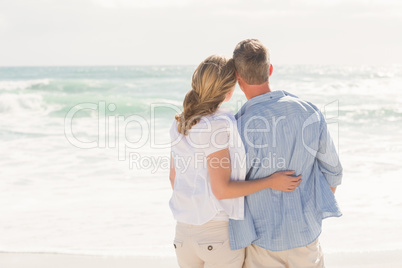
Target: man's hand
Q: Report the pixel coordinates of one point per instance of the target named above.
(284, 181)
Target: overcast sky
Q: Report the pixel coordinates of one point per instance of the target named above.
(137, 32)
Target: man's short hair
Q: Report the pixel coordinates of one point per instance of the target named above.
(251, 60)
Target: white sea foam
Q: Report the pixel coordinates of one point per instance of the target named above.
(22, 84)
(16, 103)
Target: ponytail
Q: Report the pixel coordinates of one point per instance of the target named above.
(213, 79)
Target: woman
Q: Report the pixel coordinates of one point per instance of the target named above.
(208, 170)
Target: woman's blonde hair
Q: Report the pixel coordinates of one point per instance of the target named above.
(213, 79)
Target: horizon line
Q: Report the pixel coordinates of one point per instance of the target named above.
(190, 65)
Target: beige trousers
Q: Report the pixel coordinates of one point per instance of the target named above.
(303, 257)
(206, 246)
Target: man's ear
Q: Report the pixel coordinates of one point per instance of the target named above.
(271, 69)
(237, 76)
(239, 79)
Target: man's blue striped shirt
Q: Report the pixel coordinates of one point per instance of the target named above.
(282, 132)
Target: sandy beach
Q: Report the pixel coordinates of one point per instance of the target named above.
(43, 260)
(389, 259)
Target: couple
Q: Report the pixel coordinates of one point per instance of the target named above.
(250, 190)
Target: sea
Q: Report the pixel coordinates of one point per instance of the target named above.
(84, 155)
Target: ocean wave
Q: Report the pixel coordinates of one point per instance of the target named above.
(9, 85)
(21, 103)
(308, 72)
(371, 114)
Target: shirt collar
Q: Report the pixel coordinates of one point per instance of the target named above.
(269, 96)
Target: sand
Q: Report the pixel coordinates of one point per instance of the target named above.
(44, 260)
(380, 259)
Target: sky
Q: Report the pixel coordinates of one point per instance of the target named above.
(159, 32)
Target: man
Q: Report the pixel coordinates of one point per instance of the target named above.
(282, 132)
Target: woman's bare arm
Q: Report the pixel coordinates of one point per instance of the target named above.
(222, 187)
(172, 174)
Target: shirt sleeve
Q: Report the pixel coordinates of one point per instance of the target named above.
(213, 137)
(328, 159)
(173, 130)
(175, 136)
